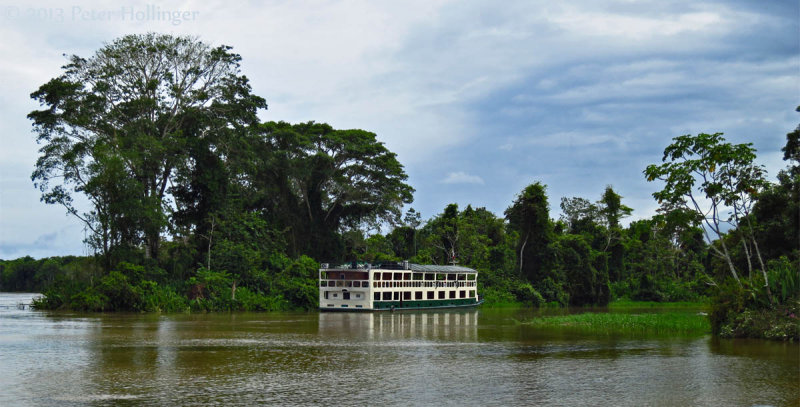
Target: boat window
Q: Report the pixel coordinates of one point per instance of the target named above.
(461, 277)
(462, 294)
(387, 296)
(376, 297)
(440, 276)
(407, 295)
(335, 295)
(387, 276)
(452, 294)
(341, 276)
(323, 283)
(397, 295)
(470, 276)
(326, 295)
(430, 295)
(451, 276)
(471, 293)
(417, 276)
(441, 295)
(398, 276)
(406, 276)
(345, 295)
(358, 296)
(418, 295)
(429, 276)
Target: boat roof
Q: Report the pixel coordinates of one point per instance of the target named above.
(424, 268)
(440, 269)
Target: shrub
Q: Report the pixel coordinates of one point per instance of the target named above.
(88, 300)
(553, 291)
(119, 293)
(525, 293)
(157, 298)
(784, 278)
(493, 297)
(254, 301)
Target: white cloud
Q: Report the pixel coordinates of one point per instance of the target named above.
(637, 27)
(570, 139)
(461, 177)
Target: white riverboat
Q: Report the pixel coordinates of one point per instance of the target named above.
(396, 286)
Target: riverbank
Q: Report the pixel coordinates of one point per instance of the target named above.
(782, 323)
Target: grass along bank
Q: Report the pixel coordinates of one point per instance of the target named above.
(629, 304)
(672, 323)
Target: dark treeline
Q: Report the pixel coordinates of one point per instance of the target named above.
(196, 204)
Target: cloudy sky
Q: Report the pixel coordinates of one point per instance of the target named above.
(479, 99)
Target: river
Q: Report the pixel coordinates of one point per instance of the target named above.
(473, 357)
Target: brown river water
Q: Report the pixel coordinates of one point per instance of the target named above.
(451, 358)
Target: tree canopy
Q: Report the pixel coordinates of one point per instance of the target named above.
(116, 128)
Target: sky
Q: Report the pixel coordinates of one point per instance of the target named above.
(479, 99)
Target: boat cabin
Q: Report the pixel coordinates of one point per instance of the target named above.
(395, 286)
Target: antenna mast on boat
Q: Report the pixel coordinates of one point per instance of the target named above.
(453, 260)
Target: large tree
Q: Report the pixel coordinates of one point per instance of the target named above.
(612, 211)
(529, 216)
(709, 176)
(318, 181)
(116, 127)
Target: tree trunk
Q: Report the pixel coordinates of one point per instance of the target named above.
(522, 251)
(152, 244)
(763, 271)
(210, 237)
(747, 255)
(729, 261)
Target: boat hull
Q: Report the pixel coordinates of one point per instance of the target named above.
(406, 306)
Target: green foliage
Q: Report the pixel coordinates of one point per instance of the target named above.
(298, 283)
(526, 294)
(495, 297)
(115, 127)
(707, 175)
(672, 323)
(317, 180)
(88, 300)
(529, 217)
(158, 298)
(628, 304)
(742, 311)
(785, 278)
(576, 261)
(554, 290)
(119, 294)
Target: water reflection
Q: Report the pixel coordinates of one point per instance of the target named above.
(455, 325)
(474, 357)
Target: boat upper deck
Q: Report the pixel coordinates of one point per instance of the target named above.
(422, 268)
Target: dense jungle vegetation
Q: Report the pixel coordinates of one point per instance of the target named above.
(195, 204)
